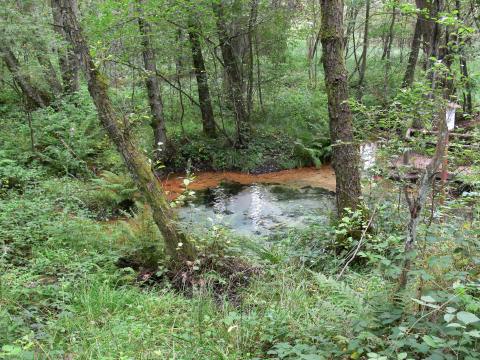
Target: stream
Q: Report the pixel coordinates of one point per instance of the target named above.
(262, 204)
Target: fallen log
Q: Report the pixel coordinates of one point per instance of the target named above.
(411, 131)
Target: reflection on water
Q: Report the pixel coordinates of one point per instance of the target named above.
(257, 209)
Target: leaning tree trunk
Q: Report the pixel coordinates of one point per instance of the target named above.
(414, 51)
(34, 96)
(67, 60)
(234, 76)
(176, 244)
(153, 88)
(208, 119)
(345, 153)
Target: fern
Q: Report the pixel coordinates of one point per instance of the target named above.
(116, 188)
(315, 153)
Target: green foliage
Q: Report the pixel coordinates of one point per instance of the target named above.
(14, 176)
(69, 213)
(111, 194)
(69, 140)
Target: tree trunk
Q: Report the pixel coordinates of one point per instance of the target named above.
(259, 74)
(414, 51)
(345, 153)
(153, 88)
(176, 244)
(235, 81)
(67, 60)
(467, 92)
(251, 23)
(436, 35)
(33, 95)
(363, 65)
(49, 71)
(204, 99)
(388, 43)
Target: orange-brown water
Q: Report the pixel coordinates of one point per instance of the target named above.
(323, 177)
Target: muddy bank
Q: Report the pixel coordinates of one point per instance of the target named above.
(323, 177)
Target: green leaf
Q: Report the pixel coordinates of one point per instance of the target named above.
(430, 341)
(311, 357)
(448, 317)
(456, 325)
(467, 317)
(428, 299)
(402, 356)
(474, 333)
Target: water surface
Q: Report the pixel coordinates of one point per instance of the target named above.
(257, 209)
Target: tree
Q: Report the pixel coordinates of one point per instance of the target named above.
(35, 97)
(387, 49)
(69, 66)
(208, 119)
(252, 19)
(467, 93)
(414, 50)
(234, 76)
(48, 69)
(153, 88)
(345, 151)
(177, 246)
(363, 59)
(417, 202)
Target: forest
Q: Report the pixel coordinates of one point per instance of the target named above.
(240, 179)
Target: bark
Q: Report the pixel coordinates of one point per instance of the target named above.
(414, 51)
(176, 244)
(35, 97)
(363, 65)
(157, 122)
(67, 60)
(235, 81)
(345, 153)
(208, 119)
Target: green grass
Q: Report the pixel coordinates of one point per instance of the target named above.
(67, 298)
(63, 297)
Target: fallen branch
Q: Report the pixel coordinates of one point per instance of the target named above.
(411, 131)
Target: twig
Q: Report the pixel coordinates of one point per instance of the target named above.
(359, 245)
(164, 78)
